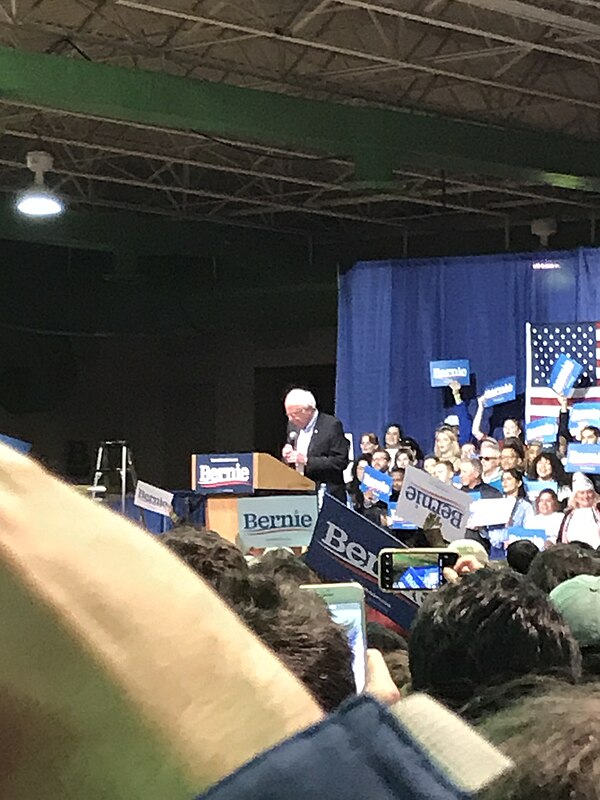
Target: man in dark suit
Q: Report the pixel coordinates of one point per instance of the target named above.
(316, 445)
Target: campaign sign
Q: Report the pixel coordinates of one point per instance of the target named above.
(277, 521)
(16, 444)
(537, 536)
(491, 511)
(543, 430)
(396, 522)
(345, 547)
(564, 375)
(423, 496)
(498, 392)
(582, 415)
(217, 474)
(153, 499)
(583, 458)
(441, 373)
(534, 488)
(377, 482)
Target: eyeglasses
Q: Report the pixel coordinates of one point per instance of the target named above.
(489, 458)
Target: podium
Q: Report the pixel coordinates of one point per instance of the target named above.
(229, 478)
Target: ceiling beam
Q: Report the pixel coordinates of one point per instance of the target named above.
(377, 140)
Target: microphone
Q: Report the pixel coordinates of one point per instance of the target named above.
(292, 436)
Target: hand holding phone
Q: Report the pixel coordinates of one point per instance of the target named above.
(414, 569)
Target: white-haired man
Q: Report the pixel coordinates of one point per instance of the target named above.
(316, 444)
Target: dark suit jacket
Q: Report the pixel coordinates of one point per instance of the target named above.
(327, 456)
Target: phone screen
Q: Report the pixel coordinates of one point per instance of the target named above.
(350, 616)
(404, 570)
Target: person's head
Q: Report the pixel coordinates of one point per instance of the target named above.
(584, 495)
(384, 639)
(444, 471)
(369, 442)
(533, 451)
(520, 554)
(429, 463)
(446, 443)
(547, 467)
(561, 562)
(547, 502)
(590, 435)
(358, 468)
(489, 455)
(468, 450)
(486, 629)
(553, 739)
(380, 460)
(452, 421)
(397, 476)
(296, 625)
(512, 483)
(404, 457)
(214, 558)
(393, 432)
(512, 455)
(284, 567)
(511, 428)
(578, 600)
(471, 470)
(397, 663)
(300, 406)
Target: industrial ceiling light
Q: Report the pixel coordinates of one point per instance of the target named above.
(39, 201)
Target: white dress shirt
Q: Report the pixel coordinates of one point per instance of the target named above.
(306, 434)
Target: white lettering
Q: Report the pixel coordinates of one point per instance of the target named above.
(448, 373)
(216, 475)
(353, 553)
(498, 390)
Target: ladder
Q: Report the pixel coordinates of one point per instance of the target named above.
(114, 473)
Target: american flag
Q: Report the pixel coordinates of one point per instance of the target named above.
(545, 343)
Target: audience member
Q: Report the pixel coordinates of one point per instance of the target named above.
(283, 566)
(581, 521)
(369, 442)
(383, 639)
(489, 455)
(381, 459)
(444, 471)
(548, 516)
(488, 628)
(391, 440)
(547, 467)
(512, 454)
(578, 600)
(405, 457)
(397, 476)
(532, 452)
(429, 463)
(561, 562)
(520, 554)
(471, 470)
(446, 445)
(358, 471)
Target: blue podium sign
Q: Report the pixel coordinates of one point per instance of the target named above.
(226, 473)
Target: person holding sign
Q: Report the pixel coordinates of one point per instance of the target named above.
(548, 516)
(582, 521)
(513, 487)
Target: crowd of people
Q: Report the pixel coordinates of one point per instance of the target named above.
(564, 506)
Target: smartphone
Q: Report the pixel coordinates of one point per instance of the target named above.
(346, 603)
(420, 569)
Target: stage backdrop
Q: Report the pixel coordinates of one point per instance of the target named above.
(395, 317)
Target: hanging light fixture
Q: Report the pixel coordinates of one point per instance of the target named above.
(38, 200)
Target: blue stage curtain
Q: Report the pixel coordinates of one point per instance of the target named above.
(394, 317)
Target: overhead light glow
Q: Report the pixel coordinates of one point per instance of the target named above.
(545, 265)
(39, 202)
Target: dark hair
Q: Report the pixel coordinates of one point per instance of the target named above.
(554, 496)
(558, 471)
(284, 567)
(412, 444)
(593, 429)
(561, 562)
(448, 464)
(393, 425)
(406, 451)
(518, 476)
(520, 554)
(517, 423)
(553, 739)
(384, 639)
(488, 628)
(381, 450)
(214, 558)
(296, 625)
(397, 663)
(430, 457)
(514, 444)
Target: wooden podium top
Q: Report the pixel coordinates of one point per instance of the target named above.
(269, 473)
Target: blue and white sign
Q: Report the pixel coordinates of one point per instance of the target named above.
(220, 474)
(397, 523)
(564, 375)
(583, 458)
(377, 482)
(582, 415)
(423, 496)
(537, 536)
(501, 391)
(345, 547)
(534, 488)
(441, 373)
(543, 430)
(276, 521)
(16, 444)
